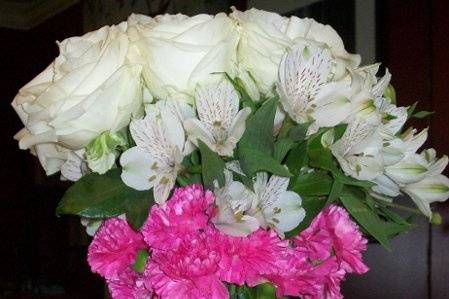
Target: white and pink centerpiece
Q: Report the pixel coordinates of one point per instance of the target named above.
(227, 156)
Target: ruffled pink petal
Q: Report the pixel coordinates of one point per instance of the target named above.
(184, 213)
(187, 271)
(248, 259)
(129, 285)
(114, 248)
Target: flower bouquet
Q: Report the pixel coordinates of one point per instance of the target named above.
(246, 155)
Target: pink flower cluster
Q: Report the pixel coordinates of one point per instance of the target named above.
(190, 258)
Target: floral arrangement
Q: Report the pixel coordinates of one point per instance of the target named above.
(246, 155)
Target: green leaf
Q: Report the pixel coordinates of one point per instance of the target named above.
(411, 109)
(287, 124)
(335, 192)
(299, 132)
(245, 98)
(312, 205)
(212, 166)
(256, 145)
(253, 161)
(137, 209)
(188, 179)
(259, 129)
(320, 156)
(316, 183)
(265, 291)
(297, 158)
(339, 130)
(422, 114)
(353, 200)
(282, 147)
(261, 291)
(101, 196)
(141, 260)
(347, 180)
(195, 157)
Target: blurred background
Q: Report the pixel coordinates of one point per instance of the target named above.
(44, 256)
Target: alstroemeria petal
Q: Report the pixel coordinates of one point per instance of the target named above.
(429, 190)
(136, 171)
(386, 186)
(196, 130)
(332, 104)
(237, 228)
(410, 170)
(286, 213)
(302, 73)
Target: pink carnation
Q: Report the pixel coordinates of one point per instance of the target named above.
(114, 248)
(188, 271)
(333, 231)
(129, 285)
(330, 275)
(184, 213)
(295, 276)
(248, 259)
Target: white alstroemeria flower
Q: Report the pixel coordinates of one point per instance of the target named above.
(430, 189)
(274, 206)
(160, 148)
(396, 149)
(233, 200)
(411, 169)
(364, 107)
(393, 117)
(220, 125)
(433, 187)
(305, 91)
(358, 150)
(435, 166)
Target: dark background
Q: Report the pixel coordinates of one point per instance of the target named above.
(43, 256)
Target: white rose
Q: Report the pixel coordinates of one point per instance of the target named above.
(265, 36)
(90, 88)
(179, 52)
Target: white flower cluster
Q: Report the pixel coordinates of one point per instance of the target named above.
(165, 78)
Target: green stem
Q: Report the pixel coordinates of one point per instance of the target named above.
(399, 207)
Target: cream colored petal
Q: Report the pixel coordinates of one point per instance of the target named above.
(137, 171)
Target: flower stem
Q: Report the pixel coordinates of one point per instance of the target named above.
(399, 207)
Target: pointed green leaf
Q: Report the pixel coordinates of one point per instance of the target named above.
(282, 147)
(212, 166)
(299, 132)
(411, 109)
(316, 183)
(253, 161)
(137, 209)
(297, 158)
(353, 200)
(422, 114)
(245, 98)
(259, 129)
(100, 196)
(335, 192)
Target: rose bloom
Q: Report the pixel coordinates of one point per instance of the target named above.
(90, 88)
(180, 52)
